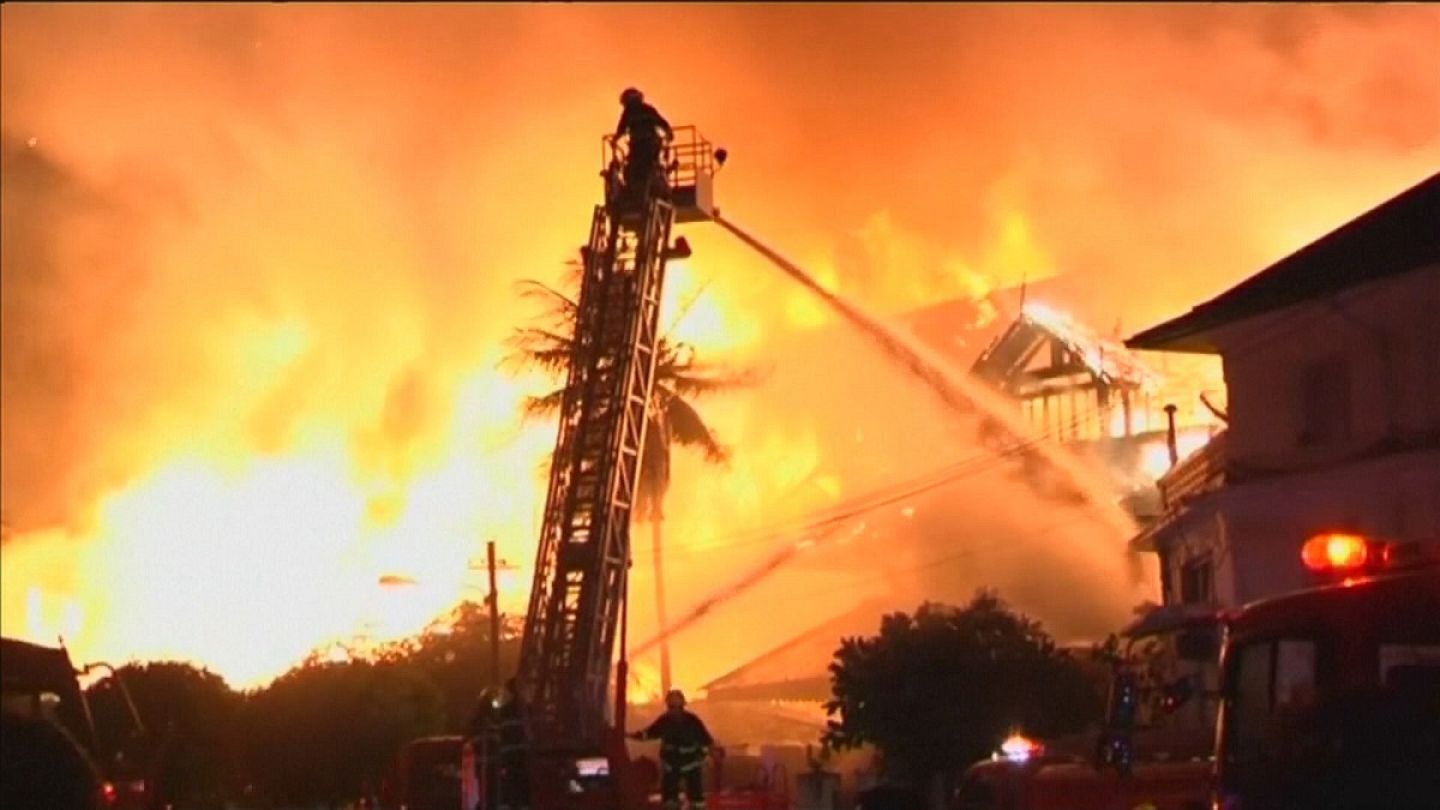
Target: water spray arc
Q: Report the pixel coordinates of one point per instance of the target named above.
(998, 429)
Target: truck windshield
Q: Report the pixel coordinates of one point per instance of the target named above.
(1295, 736)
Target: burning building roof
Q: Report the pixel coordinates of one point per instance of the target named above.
(1074, 347)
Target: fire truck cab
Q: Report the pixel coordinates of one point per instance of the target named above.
(52, 746)
(1330, 697)
(1154, 751)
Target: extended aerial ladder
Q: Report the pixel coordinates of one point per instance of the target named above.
(577, 599)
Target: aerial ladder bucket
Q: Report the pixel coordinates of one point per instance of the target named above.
(685, 177)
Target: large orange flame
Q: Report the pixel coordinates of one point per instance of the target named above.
(259, 262)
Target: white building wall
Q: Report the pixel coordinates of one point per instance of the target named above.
(1252, 533)
(1385, 340)
(1378, 469)
(1396, 496)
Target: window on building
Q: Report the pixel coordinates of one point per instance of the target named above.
(1197, 581)
(1324, 402)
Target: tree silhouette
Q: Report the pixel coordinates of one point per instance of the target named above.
(938, 690)
(187, 751)
(454, 654)
(322, 732)
(672, 417)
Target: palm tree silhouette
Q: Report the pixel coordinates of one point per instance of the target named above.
(672, 419)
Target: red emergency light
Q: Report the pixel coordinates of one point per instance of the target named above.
(1019, 748)
(1335, 552)
(1347, 555)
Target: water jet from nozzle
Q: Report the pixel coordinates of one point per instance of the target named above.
(959, 393)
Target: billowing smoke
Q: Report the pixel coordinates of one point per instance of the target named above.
(238, 237)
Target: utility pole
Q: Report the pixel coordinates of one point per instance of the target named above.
(1170, 439)
(494, 615)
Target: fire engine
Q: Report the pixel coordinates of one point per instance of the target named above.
(1328, 698)
(576, 617)
(576, 753)
(1149, 754)
(44, 704)
(1331, 697)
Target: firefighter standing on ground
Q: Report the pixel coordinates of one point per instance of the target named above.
(483, 730)
(684, 741)
(514, 769)
(644, 126)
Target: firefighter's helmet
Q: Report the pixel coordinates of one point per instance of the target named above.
(631, 97)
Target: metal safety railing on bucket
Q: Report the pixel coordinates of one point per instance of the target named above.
(686, 157)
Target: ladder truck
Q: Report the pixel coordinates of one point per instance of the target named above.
(577, 751)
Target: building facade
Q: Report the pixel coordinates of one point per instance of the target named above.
(1331, 359)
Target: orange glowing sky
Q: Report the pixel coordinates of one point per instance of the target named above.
(258, 265)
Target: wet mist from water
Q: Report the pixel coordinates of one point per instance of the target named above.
(955, 388)
(1079, 487)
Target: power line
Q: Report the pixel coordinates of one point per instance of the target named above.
(999, 546)
(879, 498)
(962, 468)
(829, 525)
(705, 606)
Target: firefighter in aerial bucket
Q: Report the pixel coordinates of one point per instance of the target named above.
(644, 126)
(684, 742)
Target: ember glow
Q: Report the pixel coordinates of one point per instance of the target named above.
(259, 264)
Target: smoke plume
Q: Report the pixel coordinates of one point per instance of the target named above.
(258, 262)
